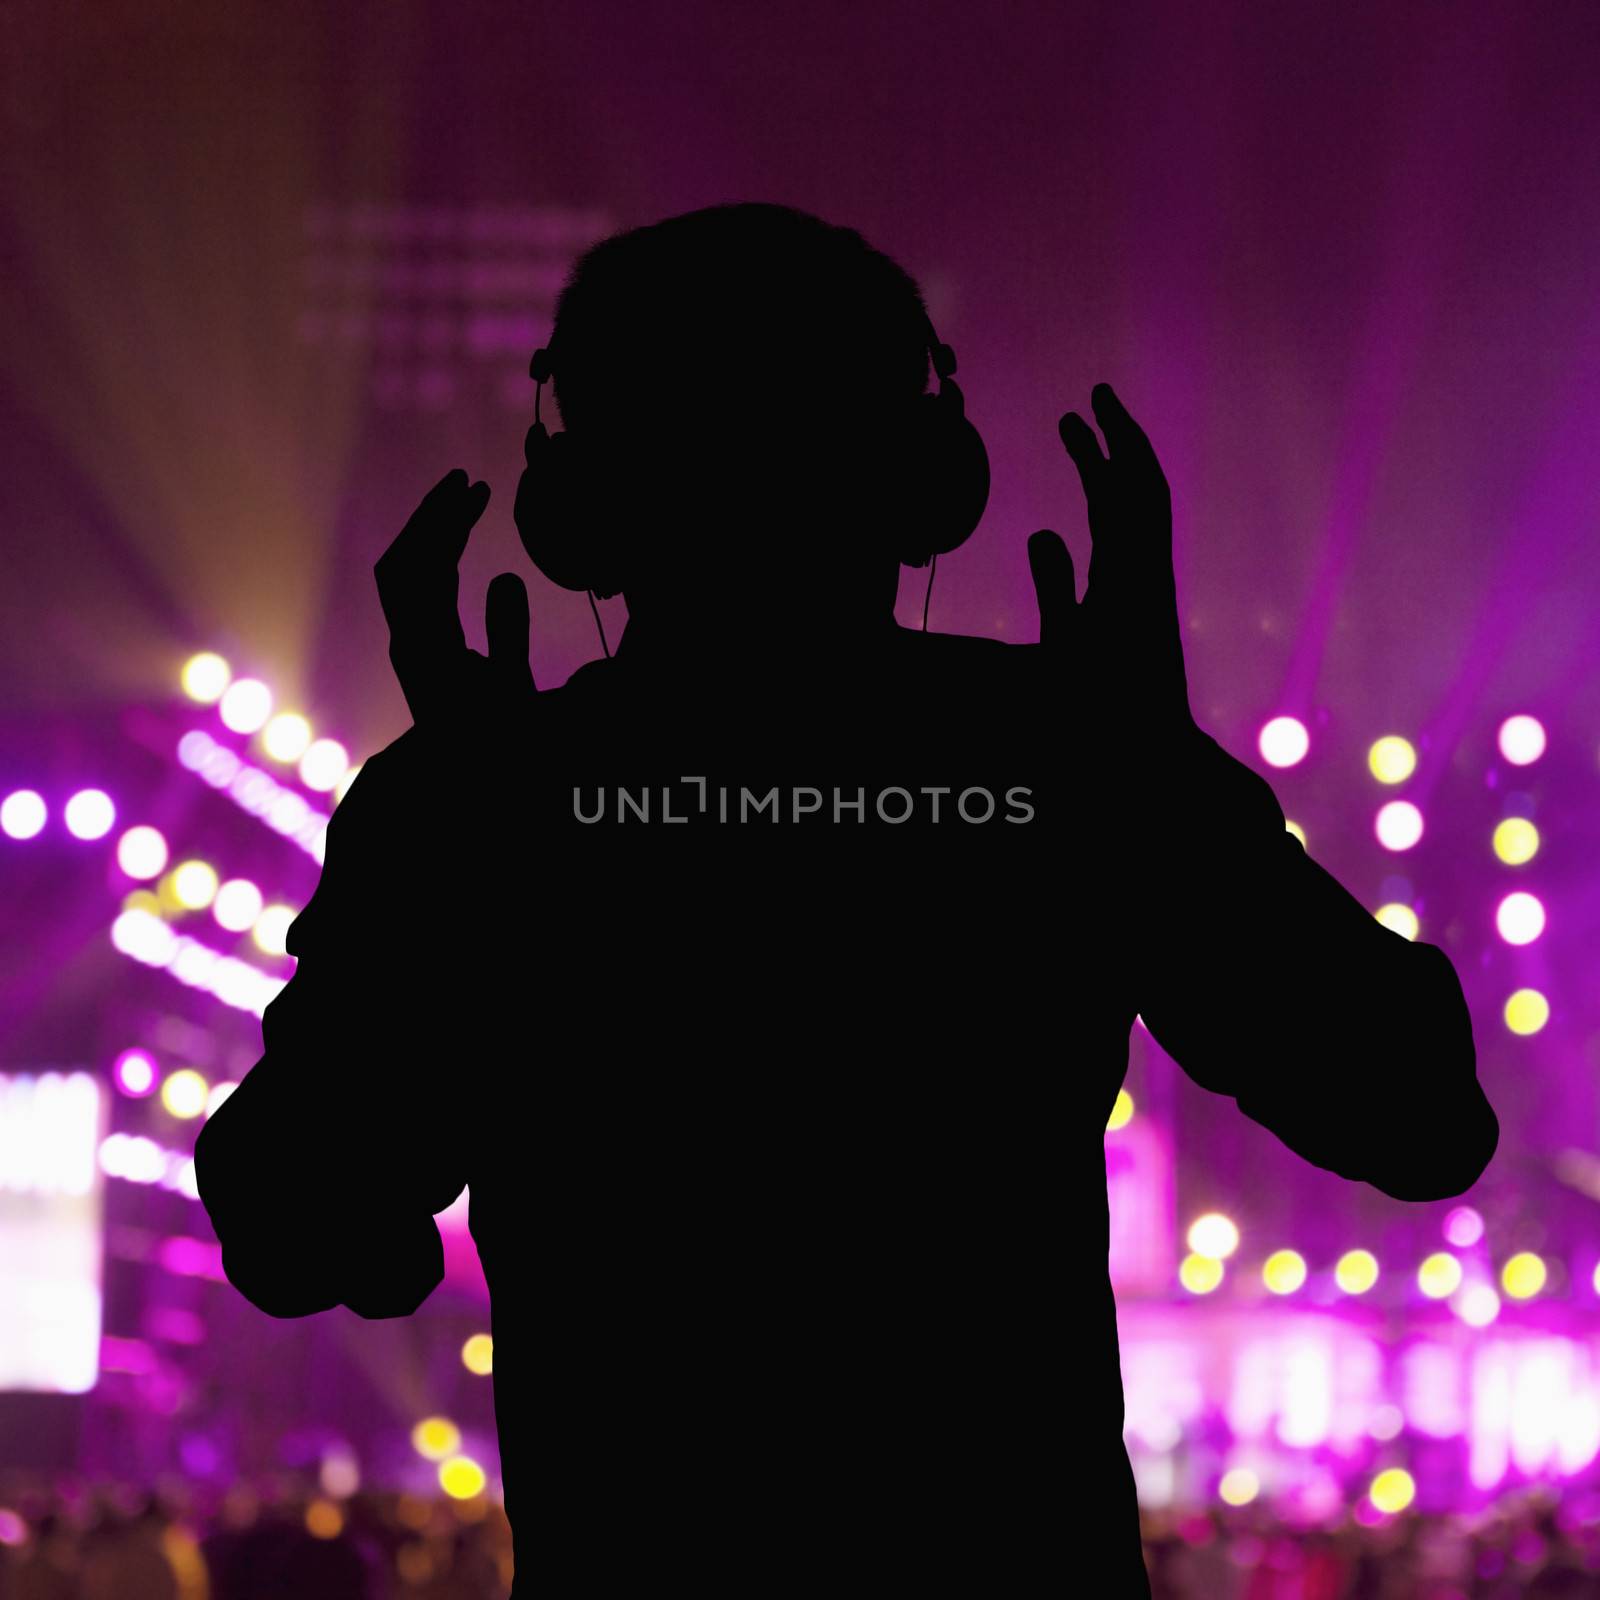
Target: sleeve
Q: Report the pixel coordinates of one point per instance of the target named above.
(323, 1170)
(1266, 980)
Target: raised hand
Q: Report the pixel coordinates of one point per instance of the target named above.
(445, 683)
(1121, 647)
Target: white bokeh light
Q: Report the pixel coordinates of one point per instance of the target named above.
(1522, 740)
(322, 766)
(22, 814)
(142, 852)
(90, 814)
(237, 905)
(246, 705)
(1519, 918)
(1284, 742)
(1398, 825)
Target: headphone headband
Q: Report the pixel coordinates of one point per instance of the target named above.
(942, 356)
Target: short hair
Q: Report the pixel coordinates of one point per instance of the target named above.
(741, 308)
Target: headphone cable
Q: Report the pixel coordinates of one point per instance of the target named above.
(933, 567)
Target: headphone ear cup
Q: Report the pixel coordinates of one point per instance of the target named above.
(552, 509)
(947, 478)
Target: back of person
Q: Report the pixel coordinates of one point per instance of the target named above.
(795, 1134)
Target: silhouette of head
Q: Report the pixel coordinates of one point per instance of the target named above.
(735, 381)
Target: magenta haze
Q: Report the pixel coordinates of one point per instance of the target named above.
(891, 805)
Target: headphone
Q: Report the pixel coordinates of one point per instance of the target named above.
(941, 486)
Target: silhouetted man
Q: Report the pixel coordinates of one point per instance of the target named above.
(770, 983)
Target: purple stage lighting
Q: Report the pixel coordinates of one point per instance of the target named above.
(134, 1073)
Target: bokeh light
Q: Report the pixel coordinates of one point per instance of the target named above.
(1121, 1111)
(1392, 1490)
(1463, 1226)
(1356, 1271)
(1398, 825)
(142, 852)
(323, 765)
(1399, 919)
(1516, 841)
(286, 736)
(1214, 1235)
(22, 813)
(461, 1477)
(435, 1438)
(1477, 1305)
(237, 905)
(205, 677)
(134, 1073)
(1522, 740)
(1527, 1011)
(477, 1354)
(1524, 1275)
(1392, 759)
(90, 814)
(219, 1092)
(1284, 1271)
(1284, 742)
(1297, 831)
(272, 929)
(1199, 1274)
(184, 1093)
(194, 885)
(324, 1520)
(1439, 1276)
(1239, 1486)
(342, 788)
(1519, 918)
(246, 705)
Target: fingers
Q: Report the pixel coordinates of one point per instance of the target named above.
(1084, 448)
(1050, 562)
(506, 621)
(1116, 421)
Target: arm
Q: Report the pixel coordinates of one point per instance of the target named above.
(1266, 980)
(1251, 966)
(323, 1169)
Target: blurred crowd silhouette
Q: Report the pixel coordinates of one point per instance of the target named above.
(67, 1539)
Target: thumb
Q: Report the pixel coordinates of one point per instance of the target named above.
(507, 624)
(1055, 586)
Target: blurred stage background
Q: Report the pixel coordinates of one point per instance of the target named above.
(270, 271)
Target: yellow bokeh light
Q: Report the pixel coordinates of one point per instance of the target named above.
(205, 676)
(286, 736)
(461, 1477)
(1297, 831)
(1393, 1490)
(436, 1438)
(1523, 1276)
(1214, 1235)
(1399, 919)
(1392, 759)
(142, 900)
(1199, 1274)
(324, 1520)
(194, 885)
(1527, 1011)
(1356, 1272)
(1121, 1112)
(1284, 1271)
(342, 788)
(1516, 841)
(1439, 1276)
(184, 1092)
(477, 1354)
(1238, 1487)
(271, 929)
